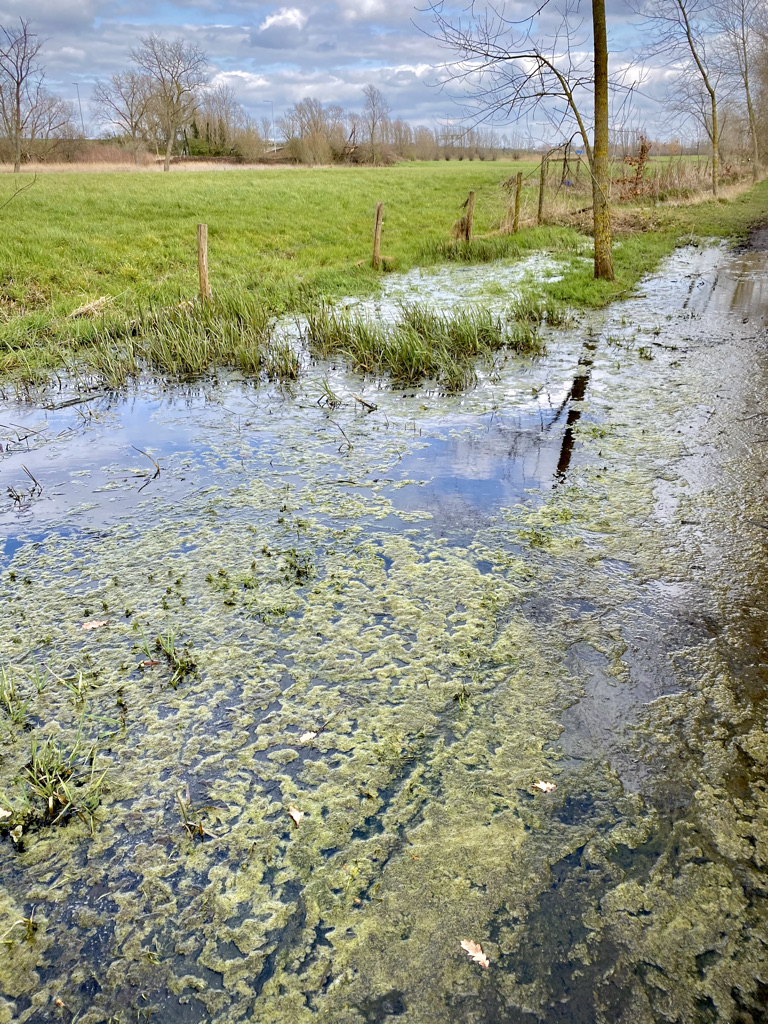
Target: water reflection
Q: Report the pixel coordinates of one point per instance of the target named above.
(575, 396)
(737, 285)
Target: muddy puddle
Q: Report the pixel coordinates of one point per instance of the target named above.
(336, 653)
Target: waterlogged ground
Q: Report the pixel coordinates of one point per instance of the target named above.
(395, 622)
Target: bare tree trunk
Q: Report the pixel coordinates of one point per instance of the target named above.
(168, 151)
(715, 140)
(542, 186)
(17, 133)
(755, 143)
(707, 85)
(743, 43)
(601, 170)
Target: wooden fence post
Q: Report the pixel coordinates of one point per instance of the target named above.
(470, 218)
(202, 261)
(518, 191)
(542, 183)
(377, 235)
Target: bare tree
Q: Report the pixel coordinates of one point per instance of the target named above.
(402, 137)
(52, 119)
(683, 32)
(599, 159)
(222, 123)
(425, 146)
(177, 71)
(219, 118)
(375, 118)
(689, 100)
(513, 69)
(760, 66)
(314, 132)
(124, 103)
(21, 83)
(738, 22)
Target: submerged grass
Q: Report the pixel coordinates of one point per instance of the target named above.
(538, 310)
(12, 703)
(184, 340)
(59, 781)
(486, 249)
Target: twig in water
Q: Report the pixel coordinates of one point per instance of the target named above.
(349, 443)
(155, 475)
(37, 487)
(362, 401)
(71, 401)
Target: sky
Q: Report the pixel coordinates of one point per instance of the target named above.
(275, 54)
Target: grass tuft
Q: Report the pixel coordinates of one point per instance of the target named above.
(63, 782)
(421, 344)
(11, 701)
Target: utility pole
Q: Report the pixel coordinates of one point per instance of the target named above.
(80, 105)
(274, 140)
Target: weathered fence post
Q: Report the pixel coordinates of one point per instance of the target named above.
(542, 183)
(518, 191)
(469, 220)
(202, 261)
(377, 235)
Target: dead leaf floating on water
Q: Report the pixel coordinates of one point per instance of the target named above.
(545, 787)
(95, 624)
(475, 952)
(295, 815)
(307, 736)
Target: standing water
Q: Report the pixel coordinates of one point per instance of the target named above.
(336, 686)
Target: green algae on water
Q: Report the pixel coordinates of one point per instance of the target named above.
(405, 689)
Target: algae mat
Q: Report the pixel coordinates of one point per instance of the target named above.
(331, 654)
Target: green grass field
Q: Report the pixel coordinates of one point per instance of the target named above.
(73, 237)
(281, 238)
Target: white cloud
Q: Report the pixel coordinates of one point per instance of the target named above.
(72, 52)
(251, 89)
(377, 10)
(286, 17)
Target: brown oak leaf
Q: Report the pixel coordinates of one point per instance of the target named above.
(475, 952)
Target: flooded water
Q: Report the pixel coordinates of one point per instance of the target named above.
(487, 667)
